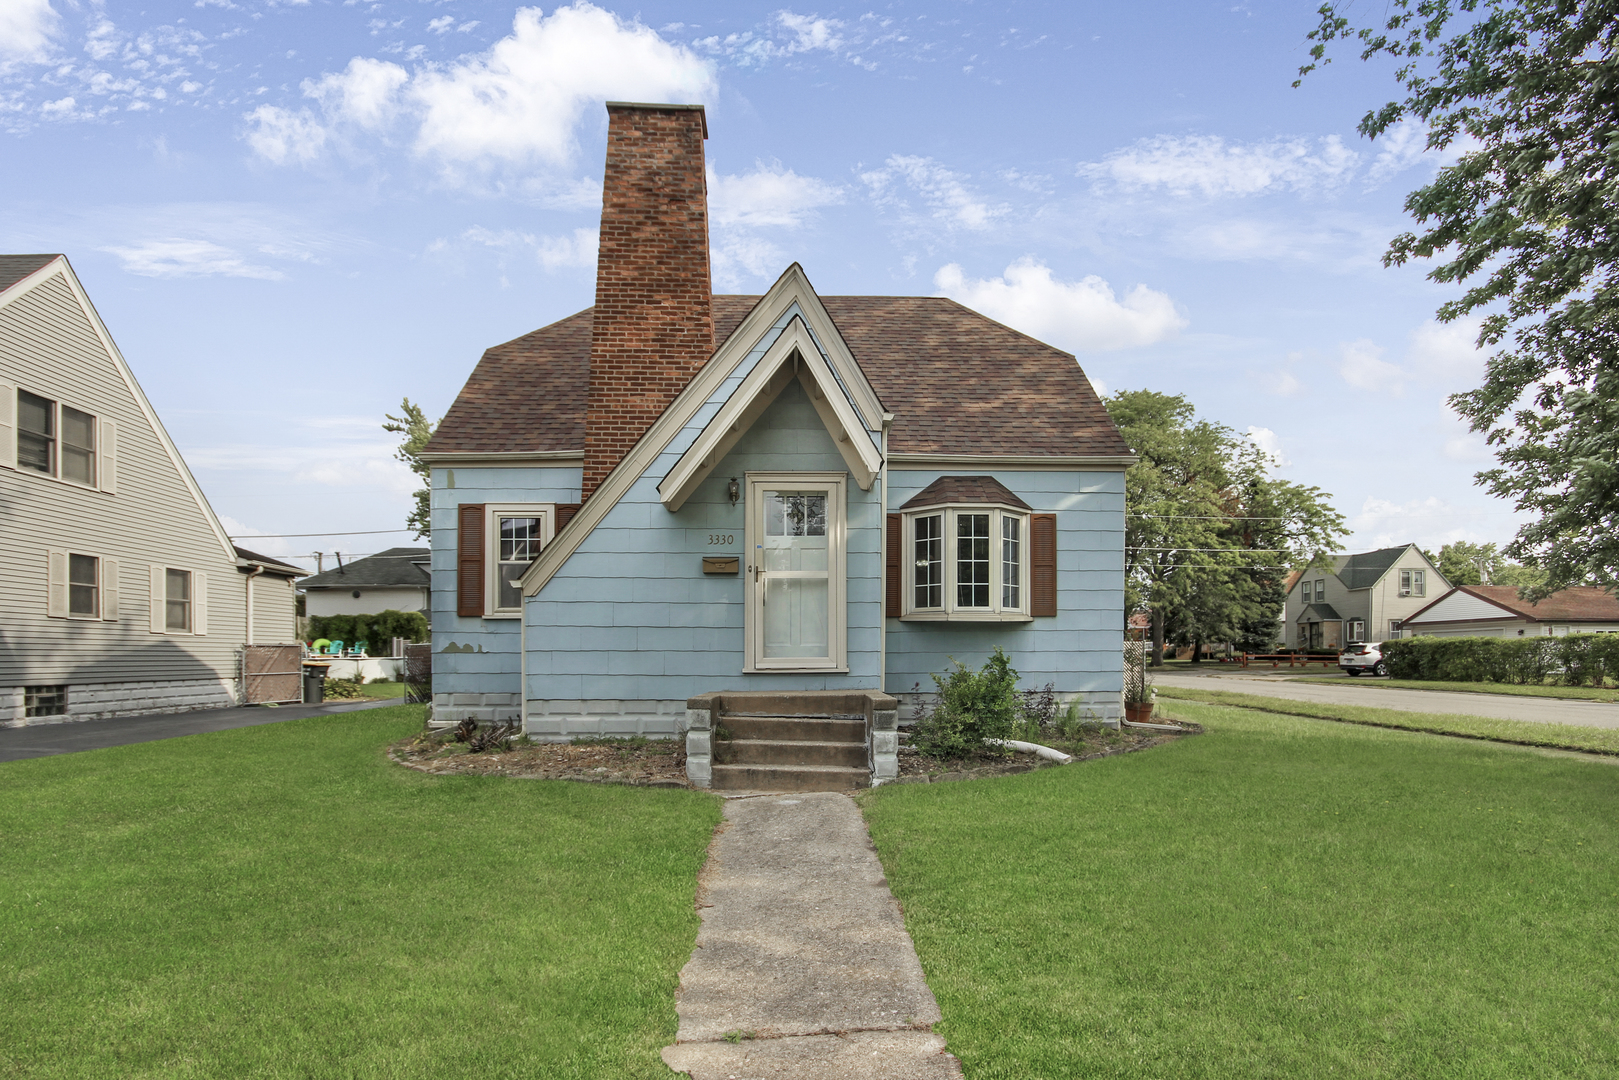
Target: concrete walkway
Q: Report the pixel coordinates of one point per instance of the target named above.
(1345, 692)
(43, 740)
(804, 953)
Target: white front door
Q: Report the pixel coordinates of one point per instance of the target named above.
(795, 572)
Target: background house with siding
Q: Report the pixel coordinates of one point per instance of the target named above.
(609, 492)
(1363, 597)
(120, 592)
(1496, 611)
(392, 580)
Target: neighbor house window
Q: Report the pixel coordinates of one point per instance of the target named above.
(1394, 629)
(78, 447)
(44, 701)
(84, 586)
(1357, 629)
(1413, 583)
(61, 441)
(177, 601)
(968, 560)
(36, 433)
(517, 533)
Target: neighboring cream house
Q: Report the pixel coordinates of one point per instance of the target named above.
(392, 580)
(120, 592)
(1364, 597)
(1496, 611)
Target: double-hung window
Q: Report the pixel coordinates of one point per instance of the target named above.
(81, 586)
(966, 560)
(56, 440)
(1413, 583)
(516, 532)
(179, 601)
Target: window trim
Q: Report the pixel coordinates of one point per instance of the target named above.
(492, 513)
(100, 430)
(949, 611)
(837, 577)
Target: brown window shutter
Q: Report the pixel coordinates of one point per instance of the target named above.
(895, 580)
(469, 547)
(565, 512)
(1043, 565)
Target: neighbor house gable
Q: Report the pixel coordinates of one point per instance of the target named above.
(59, 269)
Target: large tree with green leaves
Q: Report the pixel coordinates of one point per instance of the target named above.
(1527, 218)
(416, 429)
(1209, 533)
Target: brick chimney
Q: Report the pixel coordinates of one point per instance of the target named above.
(654, 325)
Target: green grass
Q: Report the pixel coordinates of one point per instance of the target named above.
(1277, 898)
(1582, 693)
(383, 689)
(281, 901)
(1521, 732)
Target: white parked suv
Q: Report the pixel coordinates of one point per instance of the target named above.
(1363, 656)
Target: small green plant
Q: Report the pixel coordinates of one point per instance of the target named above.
(343, 689)
(972, 706)
(1076, 721)
(734, 1037)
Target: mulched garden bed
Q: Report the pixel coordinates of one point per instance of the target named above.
(917, 768)
(644, 762)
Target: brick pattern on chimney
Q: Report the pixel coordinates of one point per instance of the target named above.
(654, 325)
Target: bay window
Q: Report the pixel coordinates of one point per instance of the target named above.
(968, 561)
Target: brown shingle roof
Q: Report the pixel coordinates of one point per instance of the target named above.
(525, 395)
(956, 381)
(964, 489)
(13, 268)
(1583, 603)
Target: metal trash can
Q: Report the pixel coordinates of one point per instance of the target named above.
(315, 683)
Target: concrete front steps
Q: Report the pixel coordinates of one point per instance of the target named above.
(809, 740)
(790, 753)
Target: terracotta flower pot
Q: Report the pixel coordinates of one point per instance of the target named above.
(1138, 712)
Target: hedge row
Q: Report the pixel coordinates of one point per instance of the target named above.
(377, 630)
(1573, 660)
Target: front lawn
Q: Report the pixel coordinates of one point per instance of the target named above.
(1279, 897)
(282, 901)
(1523, 732)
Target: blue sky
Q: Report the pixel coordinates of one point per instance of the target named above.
(292, 214)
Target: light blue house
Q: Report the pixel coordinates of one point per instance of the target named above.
(675, 494)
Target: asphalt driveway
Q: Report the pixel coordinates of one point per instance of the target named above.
(1366, 691)
(43, 740)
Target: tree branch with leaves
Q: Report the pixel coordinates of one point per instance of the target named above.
(417, 430)
(1527, 218)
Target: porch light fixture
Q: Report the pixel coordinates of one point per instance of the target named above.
(733, 491)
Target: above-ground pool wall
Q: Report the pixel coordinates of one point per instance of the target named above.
(630, 626)
(1079, 650)
(476, 661)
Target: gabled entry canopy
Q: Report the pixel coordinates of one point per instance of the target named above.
(794, 355)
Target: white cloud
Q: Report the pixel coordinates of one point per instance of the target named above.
(1271, 444)
(740, 258)
(790, 34)
(1207, 165)
(577, 249)
(519, 103)
(945, 192)
(281, 136)
(769, 195)
(1431, 523)
(1363, 367)
(365, 93)
(27, 28)
(1083, 316)
(516, 105)
(1447, 351)
(177, 258)
(1399, 148)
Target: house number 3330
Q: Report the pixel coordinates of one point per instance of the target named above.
(720, 539)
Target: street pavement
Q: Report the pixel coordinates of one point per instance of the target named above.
(1366, 691)
(43, 740)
